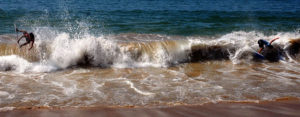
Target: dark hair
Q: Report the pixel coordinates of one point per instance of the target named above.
(31, 36)
(260, 43)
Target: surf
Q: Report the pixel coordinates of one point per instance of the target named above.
(143, 50)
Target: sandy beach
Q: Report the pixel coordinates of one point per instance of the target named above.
(278, 108)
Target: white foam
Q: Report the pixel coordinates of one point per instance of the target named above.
(18, 64)
(237, 55)
(137, 90)
(3, 94)
(68, 89)
(67, 52)
(13, 62)
(7, 109)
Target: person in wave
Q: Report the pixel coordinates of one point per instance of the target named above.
(28, 36)
(268, 51)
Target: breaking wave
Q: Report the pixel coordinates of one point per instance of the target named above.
(62, 50)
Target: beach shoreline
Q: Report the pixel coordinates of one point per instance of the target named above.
(287, 107)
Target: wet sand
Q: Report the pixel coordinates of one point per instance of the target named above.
(279, 108)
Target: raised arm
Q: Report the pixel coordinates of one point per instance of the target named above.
(20, 30)
(273, 40)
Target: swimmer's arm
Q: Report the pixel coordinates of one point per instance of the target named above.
(273, 40)
(20, 30)
(31, 45)
(260, 50)
(20, 39)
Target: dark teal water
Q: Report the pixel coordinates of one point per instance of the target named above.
(176, 17)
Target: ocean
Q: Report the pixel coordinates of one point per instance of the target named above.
(91, 53)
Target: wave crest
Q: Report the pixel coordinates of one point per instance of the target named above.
(106, 51)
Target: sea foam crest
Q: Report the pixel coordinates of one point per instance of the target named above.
(18, 64)
(66, 51)
(101, 51)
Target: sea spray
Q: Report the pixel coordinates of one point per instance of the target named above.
(103, 52)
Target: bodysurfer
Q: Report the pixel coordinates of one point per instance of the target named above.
(269, 52)
(28, 36)
(262, 43)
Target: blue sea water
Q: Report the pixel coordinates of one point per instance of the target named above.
(170, 17)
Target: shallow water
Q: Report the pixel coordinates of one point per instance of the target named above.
(190, 83)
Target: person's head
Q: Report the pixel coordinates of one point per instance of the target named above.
(261, 43)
